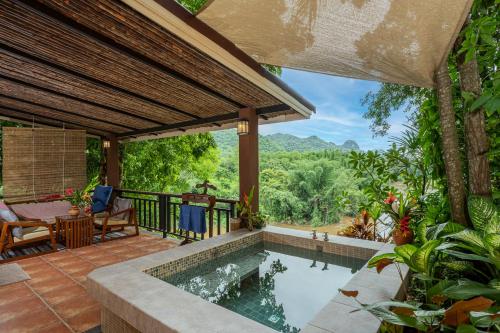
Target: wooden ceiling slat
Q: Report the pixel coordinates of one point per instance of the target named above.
(20, 104)
(124, 25)
(55, 115)
(27, 117)
(34, 95)
(27, 29)
(28, 120)
(58, 94)
(81, 85)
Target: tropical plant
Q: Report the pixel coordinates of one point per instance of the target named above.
(247, 214)
(477, 314)
(481, 244)
(79, 198)
(400, 209)
(244, 206)
(361, 227)
(459, 268)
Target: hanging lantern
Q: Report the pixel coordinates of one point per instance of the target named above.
(106, 144)
(242, 128)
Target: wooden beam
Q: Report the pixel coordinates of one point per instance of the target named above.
(110, 43)
(113, 162)
(203, 121)
(249, 157)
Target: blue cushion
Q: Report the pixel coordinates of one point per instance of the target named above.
(9, 216)
(100, 198)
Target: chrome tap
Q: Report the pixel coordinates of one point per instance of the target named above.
(325, 237)
(315, 236)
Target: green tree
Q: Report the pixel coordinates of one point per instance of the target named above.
(174, 164)
(475, 100)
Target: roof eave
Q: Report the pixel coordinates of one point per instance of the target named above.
(173, 17)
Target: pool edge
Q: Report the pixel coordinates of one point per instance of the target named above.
(139, 299)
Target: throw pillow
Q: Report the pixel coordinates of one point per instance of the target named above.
(8, 216)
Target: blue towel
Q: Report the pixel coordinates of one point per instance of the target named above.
(192, 218)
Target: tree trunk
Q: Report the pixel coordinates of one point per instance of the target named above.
(451, 153)
(476, 138)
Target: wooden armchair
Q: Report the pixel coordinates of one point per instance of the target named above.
(33, 231)
(109, 221)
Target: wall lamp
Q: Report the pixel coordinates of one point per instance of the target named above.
(242, 128)
(106, 144)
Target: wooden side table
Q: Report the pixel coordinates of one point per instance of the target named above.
(75, 231)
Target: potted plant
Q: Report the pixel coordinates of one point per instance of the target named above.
(400, 210)
(244, 209)
(79, 199)
(247, 217)
(257, 220)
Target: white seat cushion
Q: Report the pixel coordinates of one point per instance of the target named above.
(111, 222)
(32, 233)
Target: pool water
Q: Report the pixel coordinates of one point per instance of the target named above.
(277, 285)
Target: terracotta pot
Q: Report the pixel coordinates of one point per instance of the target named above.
(401, 238)
(74, 211)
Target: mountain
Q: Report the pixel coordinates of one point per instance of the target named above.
(227, 140)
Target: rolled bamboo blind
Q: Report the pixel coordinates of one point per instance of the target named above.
(39, 161)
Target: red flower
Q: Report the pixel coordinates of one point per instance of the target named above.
(69, 191)
(245, 198)
(390, 198)
(404, 224)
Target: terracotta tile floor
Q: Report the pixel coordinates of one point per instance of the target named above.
(54, 299)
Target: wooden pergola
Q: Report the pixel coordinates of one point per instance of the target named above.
(121, 71)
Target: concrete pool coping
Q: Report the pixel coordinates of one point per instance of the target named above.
(136, 301)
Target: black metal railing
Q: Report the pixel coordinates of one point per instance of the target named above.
(160, 212)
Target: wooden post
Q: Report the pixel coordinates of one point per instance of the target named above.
(451, 153)
(113, 163)
(249, 157)
(102, 162)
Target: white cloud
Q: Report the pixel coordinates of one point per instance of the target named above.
(339, 115)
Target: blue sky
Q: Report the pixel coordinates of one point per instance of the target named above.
(339, 113)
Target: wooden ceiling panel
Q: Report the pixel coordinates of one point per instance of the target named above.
(49, 99)
(28, 30)
(28, 118)
(117, 21)
(62, 117)
(44, 76)
(102, 66)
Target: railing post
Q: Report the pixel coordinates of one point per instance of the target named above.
(233, 209)
(163, 213)
(169, 215)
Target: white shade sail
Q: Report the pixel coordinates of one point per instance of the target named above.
(400, 41)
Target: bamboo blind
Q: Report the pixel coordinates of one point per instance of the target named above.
(40, 161)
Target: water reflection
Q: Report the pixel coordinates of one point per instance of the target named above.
(280, 286)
